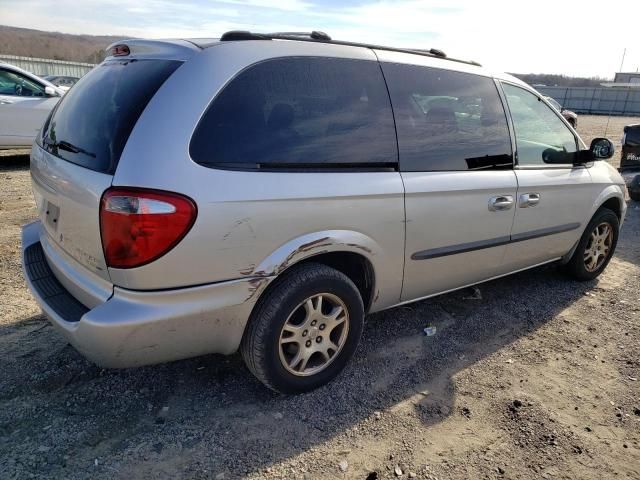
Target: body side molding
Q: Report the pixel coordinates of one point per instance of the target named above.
(492, 242)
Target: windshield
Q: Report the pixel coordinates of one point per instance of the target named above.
(91, 124)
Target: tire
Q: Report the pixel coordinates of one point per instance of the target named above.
(578, 266)
(270, 350)
(635, 195)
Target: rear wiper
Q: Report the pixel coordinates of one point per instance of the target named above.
(69, 147)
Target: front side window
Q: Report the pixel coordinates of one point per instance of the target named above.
(447, 120)
(299, 112)
(12, 83)
(541, 136)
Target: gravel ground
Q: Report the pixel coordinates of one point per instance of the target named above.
(538, 378)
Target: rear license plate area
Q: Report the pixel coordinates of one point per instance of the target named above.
(52, 215)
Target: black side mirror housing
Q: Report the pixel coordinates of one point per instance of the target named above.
(600, 149)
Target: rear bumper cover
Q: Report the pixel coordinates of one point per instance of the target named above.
(134, 328)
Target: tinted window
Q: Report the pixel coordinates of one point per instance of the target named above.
(12, 83)
(297, 112)
(447, 120)
(540, 133)
(92, 122)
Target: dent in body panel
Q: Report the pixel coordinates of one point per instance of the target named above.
(299, 249)
(387, 289)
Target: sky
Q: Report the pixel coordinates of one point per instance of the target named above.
(571, 37)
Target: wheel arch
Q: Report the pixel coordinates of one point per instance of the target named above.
(614, 204)
(349, 252)
(612, 198)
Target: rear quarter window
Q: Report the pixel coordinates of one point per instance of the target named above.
(299, 112)
(92, 123)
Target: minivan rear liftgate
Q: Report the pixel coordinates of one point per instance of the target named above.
(77, 154)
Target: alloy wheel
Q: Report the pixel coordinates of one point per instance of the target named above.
(598, 247)
(314, 334)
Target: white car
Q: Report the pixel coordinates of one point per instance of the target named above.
(25, 103)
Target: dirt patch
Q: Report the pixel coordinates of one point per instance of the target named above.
(536, 378)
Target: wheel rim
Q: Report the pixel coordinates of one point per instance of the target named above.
(598, 247)
(314, 334)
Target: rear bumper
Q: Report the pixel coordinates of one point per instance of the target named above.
(133, 328)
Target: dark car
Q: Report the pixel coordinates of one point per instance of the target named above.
(630, 159)
(571, 117)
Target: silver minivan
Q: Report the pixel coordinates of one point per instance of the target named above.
(263, 193)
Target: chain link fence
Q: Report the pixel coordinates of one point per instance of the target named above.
(43, 66)
(596, 100)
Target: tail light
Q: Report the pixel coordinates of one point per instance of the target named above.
(138, 226)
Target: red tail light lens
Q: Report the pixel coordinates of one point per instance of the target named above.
(139, 226)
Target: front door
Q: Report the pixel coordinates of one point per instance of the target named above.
(456, 165)
(554, 199)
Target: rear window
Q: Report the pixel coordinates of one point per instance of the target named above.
(300, 112)
(91, 124)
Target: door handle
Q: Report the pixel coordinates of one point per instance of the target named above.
(527, 200)
(500, 203)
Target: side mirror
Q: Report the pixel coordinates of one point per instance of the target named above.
(50, 91)
(602, 148)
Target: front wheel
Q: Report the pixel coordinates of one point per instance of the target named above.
(304, 330)
(596, 246)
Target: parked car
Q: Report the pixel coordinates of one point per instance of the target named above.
(255, 193)
(25, 102)
(62, 81)
(630, 159)
(572, 117)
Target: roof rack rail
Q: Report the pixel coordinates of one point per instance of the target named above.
(315, 35)
(321, 37)
(245, 35)
(433, 51)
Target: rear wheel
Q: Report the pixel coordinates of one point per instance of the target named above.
(304, 330)
(596, 246)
